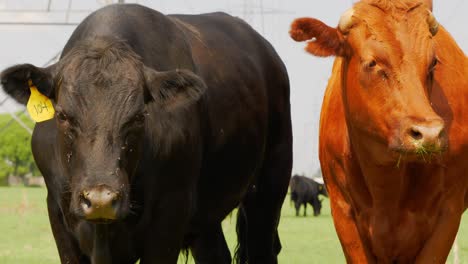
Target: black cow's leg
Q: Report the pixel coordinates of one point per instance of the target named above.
(262, 205)
(297, 205)
(305, 208)
(67, 246)
(165, 233)
(210, 247)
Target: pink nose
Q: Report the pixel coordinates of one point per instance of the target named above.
(428, 134)
(99, 203)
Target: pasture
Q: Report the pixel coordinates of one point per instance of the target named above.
(26, 236)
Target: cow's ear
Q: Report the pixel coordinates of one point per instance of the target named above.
(429, 4)
(15, 81)
(172, 89)
(324, 40)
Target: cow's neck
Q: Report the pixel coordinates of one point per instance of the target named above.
(101, 248)
(397, 185)
(401, 203)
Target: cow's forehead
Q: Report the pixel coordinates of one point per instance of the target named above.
(398, 28)
(102, 65)
(101, 98)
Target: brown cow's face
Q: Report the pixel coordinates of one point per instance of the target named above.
(103, 94)
(388, 80)
(389, 59)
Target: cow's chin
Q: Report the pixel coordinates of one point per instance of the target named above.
(418, 154)
(120, 216)
(101, 221)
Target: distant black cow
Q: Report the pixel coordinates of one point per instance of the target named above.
(305, 190)
(163, 125)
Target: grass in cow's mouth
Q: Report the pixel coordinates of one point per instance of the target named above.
(422, 152)
(427, 152)
(398, 162)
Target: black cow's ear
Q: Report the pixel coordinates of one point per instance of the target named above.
(15, 81)
(172, 89)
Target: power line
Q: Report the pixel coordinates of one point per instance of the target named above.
(45, 11)
(39, 23)
(67, 16)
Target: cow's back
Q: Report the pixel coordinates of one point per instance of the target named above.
(247, 98)
(155, 38)
(237, 64)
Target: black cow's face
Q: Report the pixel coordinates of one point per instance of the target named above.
(102, 94)
(101, 128)
(317, 206)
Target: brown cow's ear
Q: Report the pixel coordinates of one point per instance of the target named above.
(15, 81)
(325, 41)
(172, 89)
(429, 4)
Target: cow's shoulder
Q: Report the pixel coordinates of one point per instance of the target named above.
(333, 130)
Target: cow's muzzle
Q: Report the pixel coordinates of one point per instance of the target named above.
(99, 204)
(421, 139)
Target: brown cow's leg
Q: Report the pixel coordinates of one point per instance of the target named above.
(437, 248)
(210, 247)
(354, 248)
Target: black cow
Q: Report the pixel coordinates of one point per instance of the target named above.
(163, 125)
(305, 190)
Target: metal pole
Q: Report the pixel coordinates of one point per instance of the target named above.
(67, 16)
(262, 17)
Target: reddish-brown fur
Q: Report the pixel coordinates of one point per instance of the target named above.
(328, 41)
(390, 205)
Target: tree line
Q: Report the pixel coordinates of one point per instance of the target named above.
(15, 148)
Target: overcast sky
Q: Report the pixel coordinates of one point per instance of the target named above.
(308, 75)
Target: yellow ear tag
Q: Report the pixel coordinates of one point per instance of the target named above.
(39, 106)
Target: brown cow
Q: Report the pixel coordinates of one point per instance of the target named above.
(393, 140)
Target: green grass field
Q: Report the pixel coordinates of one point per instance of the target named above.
(26, 236)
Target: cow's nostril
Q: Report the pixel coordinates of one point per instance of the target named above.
(415, 134)
(99, 202)
(115, 199)
(85, 201)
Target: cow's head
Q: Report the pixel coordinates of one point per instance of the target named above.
(388, 60)
(102, 93)
(322, 190)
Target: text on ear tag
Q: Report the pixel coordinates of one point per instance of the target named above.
(39, 106)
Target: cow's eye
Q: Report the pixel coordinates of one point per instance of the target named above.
(140, 118)
(61, 117)
(371, 64)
